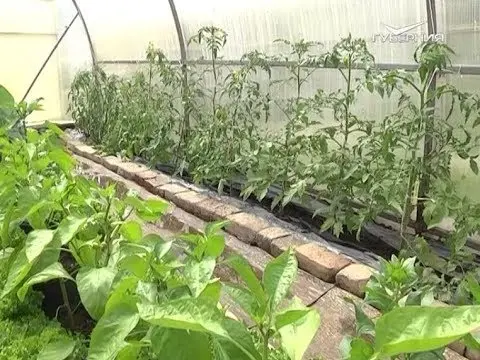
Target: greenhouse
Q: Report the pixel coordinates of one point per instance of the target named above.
(258, 180)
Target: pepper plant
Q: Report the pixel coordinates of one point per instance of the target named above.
(411, 326)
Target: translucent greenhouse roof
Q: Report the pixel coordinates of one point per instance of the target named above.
(120, 31)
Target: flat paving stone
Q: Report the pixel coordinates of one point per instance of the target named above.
(265, 237)
(188, 201)
(337, 321)
(320, 262)
(354, 278)
(278, 246)
(246, 226)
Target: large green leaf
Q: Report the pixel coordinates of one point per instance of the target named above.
(36, 243)
(121, 292)
(54, 271)
(364, 325)
(244, 298)
(68, 228)
(180, 344)
(6, 99)
(63, 159)
(132, 231)
(297, 327)
(19, 269)
(59, 350)
(246, 273)
(358, 349)
(94, 287)
(198, 274)
(279, 276)
(108, 337)
(199, 315)
(415, 328)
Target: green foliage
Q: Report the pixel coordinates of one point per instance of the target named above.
(294, 325)
(144, 292)
(411, 326)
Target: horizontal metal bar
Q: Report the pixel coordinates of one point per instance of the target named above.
(456, 69)
(27, 33)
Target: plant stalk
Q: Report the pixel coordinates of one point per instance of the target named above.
(66, 302)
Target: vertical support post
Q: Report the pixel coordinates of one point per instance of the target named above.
(49, 57)
(424, 185)
(185, 126)
(87, 33)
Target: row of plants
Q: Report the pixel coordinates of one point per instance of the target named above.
(153, 298)
(212, 123)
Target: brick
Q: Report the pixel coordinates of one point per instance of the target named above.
(168, 191)
(141, 178)
(178, 220)
(257, 258)
(278, 246)
(159, 180)
(128, 170)
(111, 162)
(223, 210)
(309, 288)
(472, 354)
(85, 151)
(264, 238)
(246, 226)
(337, 321)
(354, 278)
(188, 201)
(452, 355)
(320, 262)
(212, 210)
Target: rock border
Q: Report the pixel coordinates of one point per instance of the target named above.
(192, 206)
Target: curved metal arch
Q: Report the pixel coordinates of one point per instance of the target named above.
(87, 33)
(178, 27)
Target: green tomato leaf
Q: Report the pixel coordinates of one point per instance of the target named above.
(279, 276)
(59, 350)
(108, 337)
(54, 271)
(132, 231)
(416, 328)
(94, 288)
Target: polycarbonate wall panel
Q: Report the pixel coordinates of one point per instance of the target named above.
(255, 24)
(122, 30)
(459, 20)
